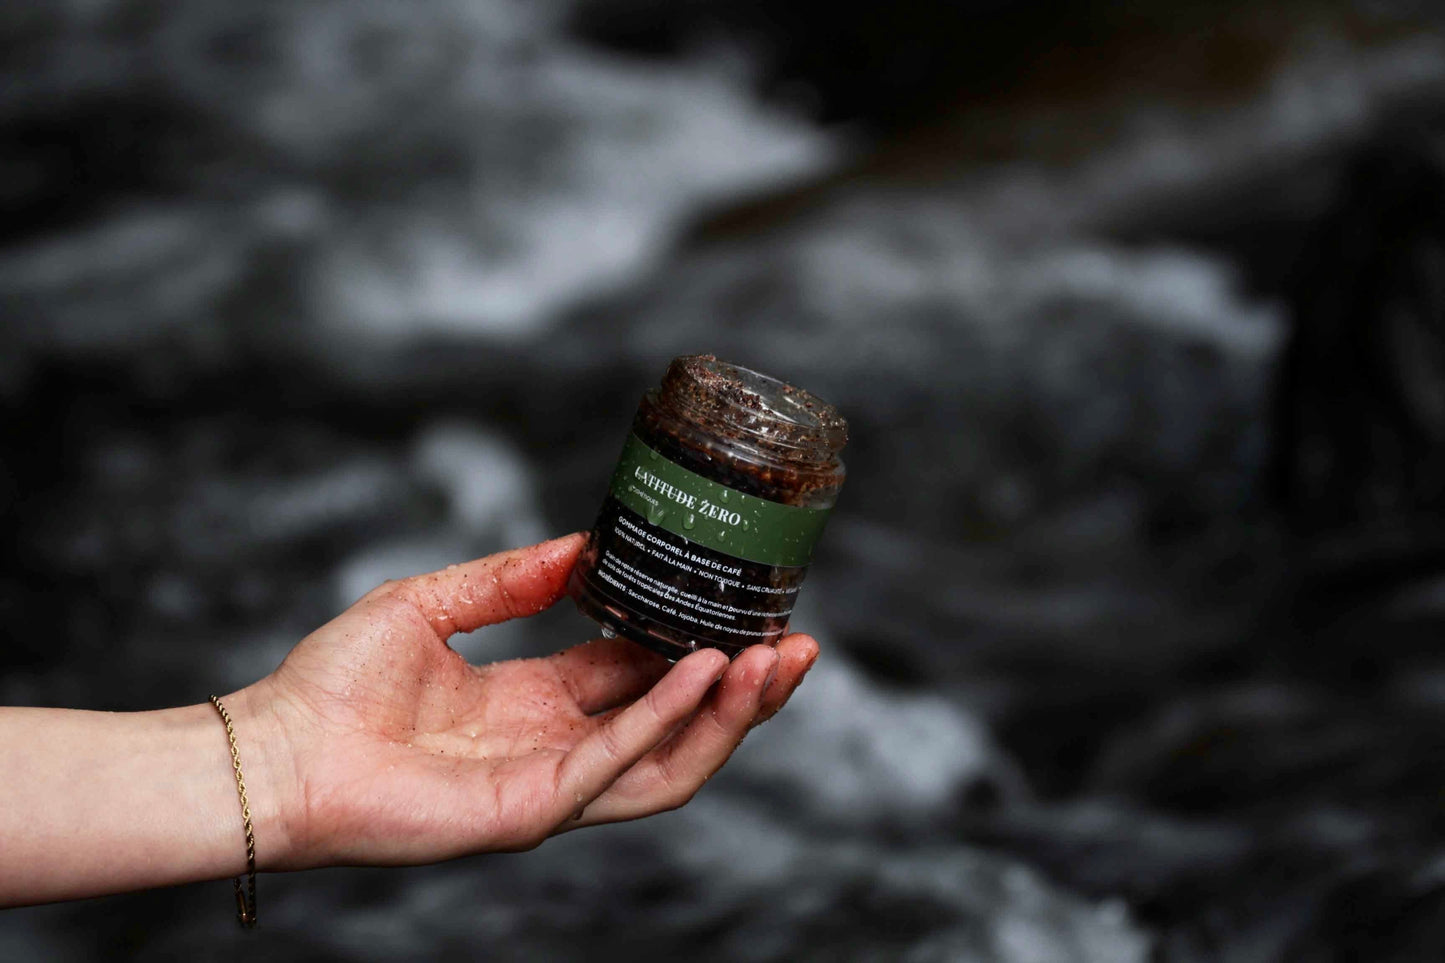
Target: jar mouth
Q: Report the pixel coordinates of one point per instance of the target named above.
(769, 412)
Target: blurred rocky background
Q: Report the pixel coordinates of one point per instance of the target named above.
(1132, 608)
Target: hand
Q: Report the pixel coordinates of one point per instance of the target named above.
(383, 746)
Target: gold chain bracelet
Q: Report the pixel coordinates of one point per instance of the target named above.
(245, 898)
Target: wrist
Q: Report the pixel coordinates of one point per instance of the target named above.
(268, 765)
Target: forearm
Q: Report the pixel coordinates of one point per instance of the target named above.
(105, 802)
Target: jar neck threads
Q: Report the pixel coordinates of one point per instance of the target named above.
(771, 417)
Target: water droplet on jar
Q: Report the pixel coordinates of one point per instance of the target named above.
(723, 494)
(689, 521)
(656, 514)
(653, 455)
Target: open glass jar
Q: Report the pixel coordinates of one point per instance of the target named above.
(707, 530)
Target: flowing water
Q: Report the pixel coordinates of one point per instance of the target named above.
(300, 297)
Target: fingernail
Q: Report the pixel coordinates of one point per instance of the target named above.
(772, 673)
(722, 666)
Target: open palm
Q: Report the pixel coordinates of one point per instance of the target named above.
(399, 751)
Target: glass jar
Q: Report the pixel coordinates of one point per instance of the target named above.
(708, 527)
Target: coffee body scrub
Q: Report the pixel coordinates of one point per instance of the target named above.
(721, 491)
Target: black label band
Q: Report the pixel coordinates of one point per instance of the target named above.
(692, 589)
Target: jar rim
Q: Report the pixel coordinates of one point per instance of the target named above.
(768, 411)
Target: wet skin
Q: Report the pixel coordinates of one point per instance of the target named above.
(376, 743)
(400, 751)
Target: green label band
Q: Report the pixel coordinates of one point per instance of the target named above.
(712, 515)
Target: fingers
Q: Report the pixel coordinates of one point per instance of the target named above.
(503, 586)
(596, 762)
(606, 673)
(754, 687)
(796, 655)
(701, 748)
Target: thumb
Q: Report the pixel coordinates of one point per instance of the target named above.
(507, 585)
